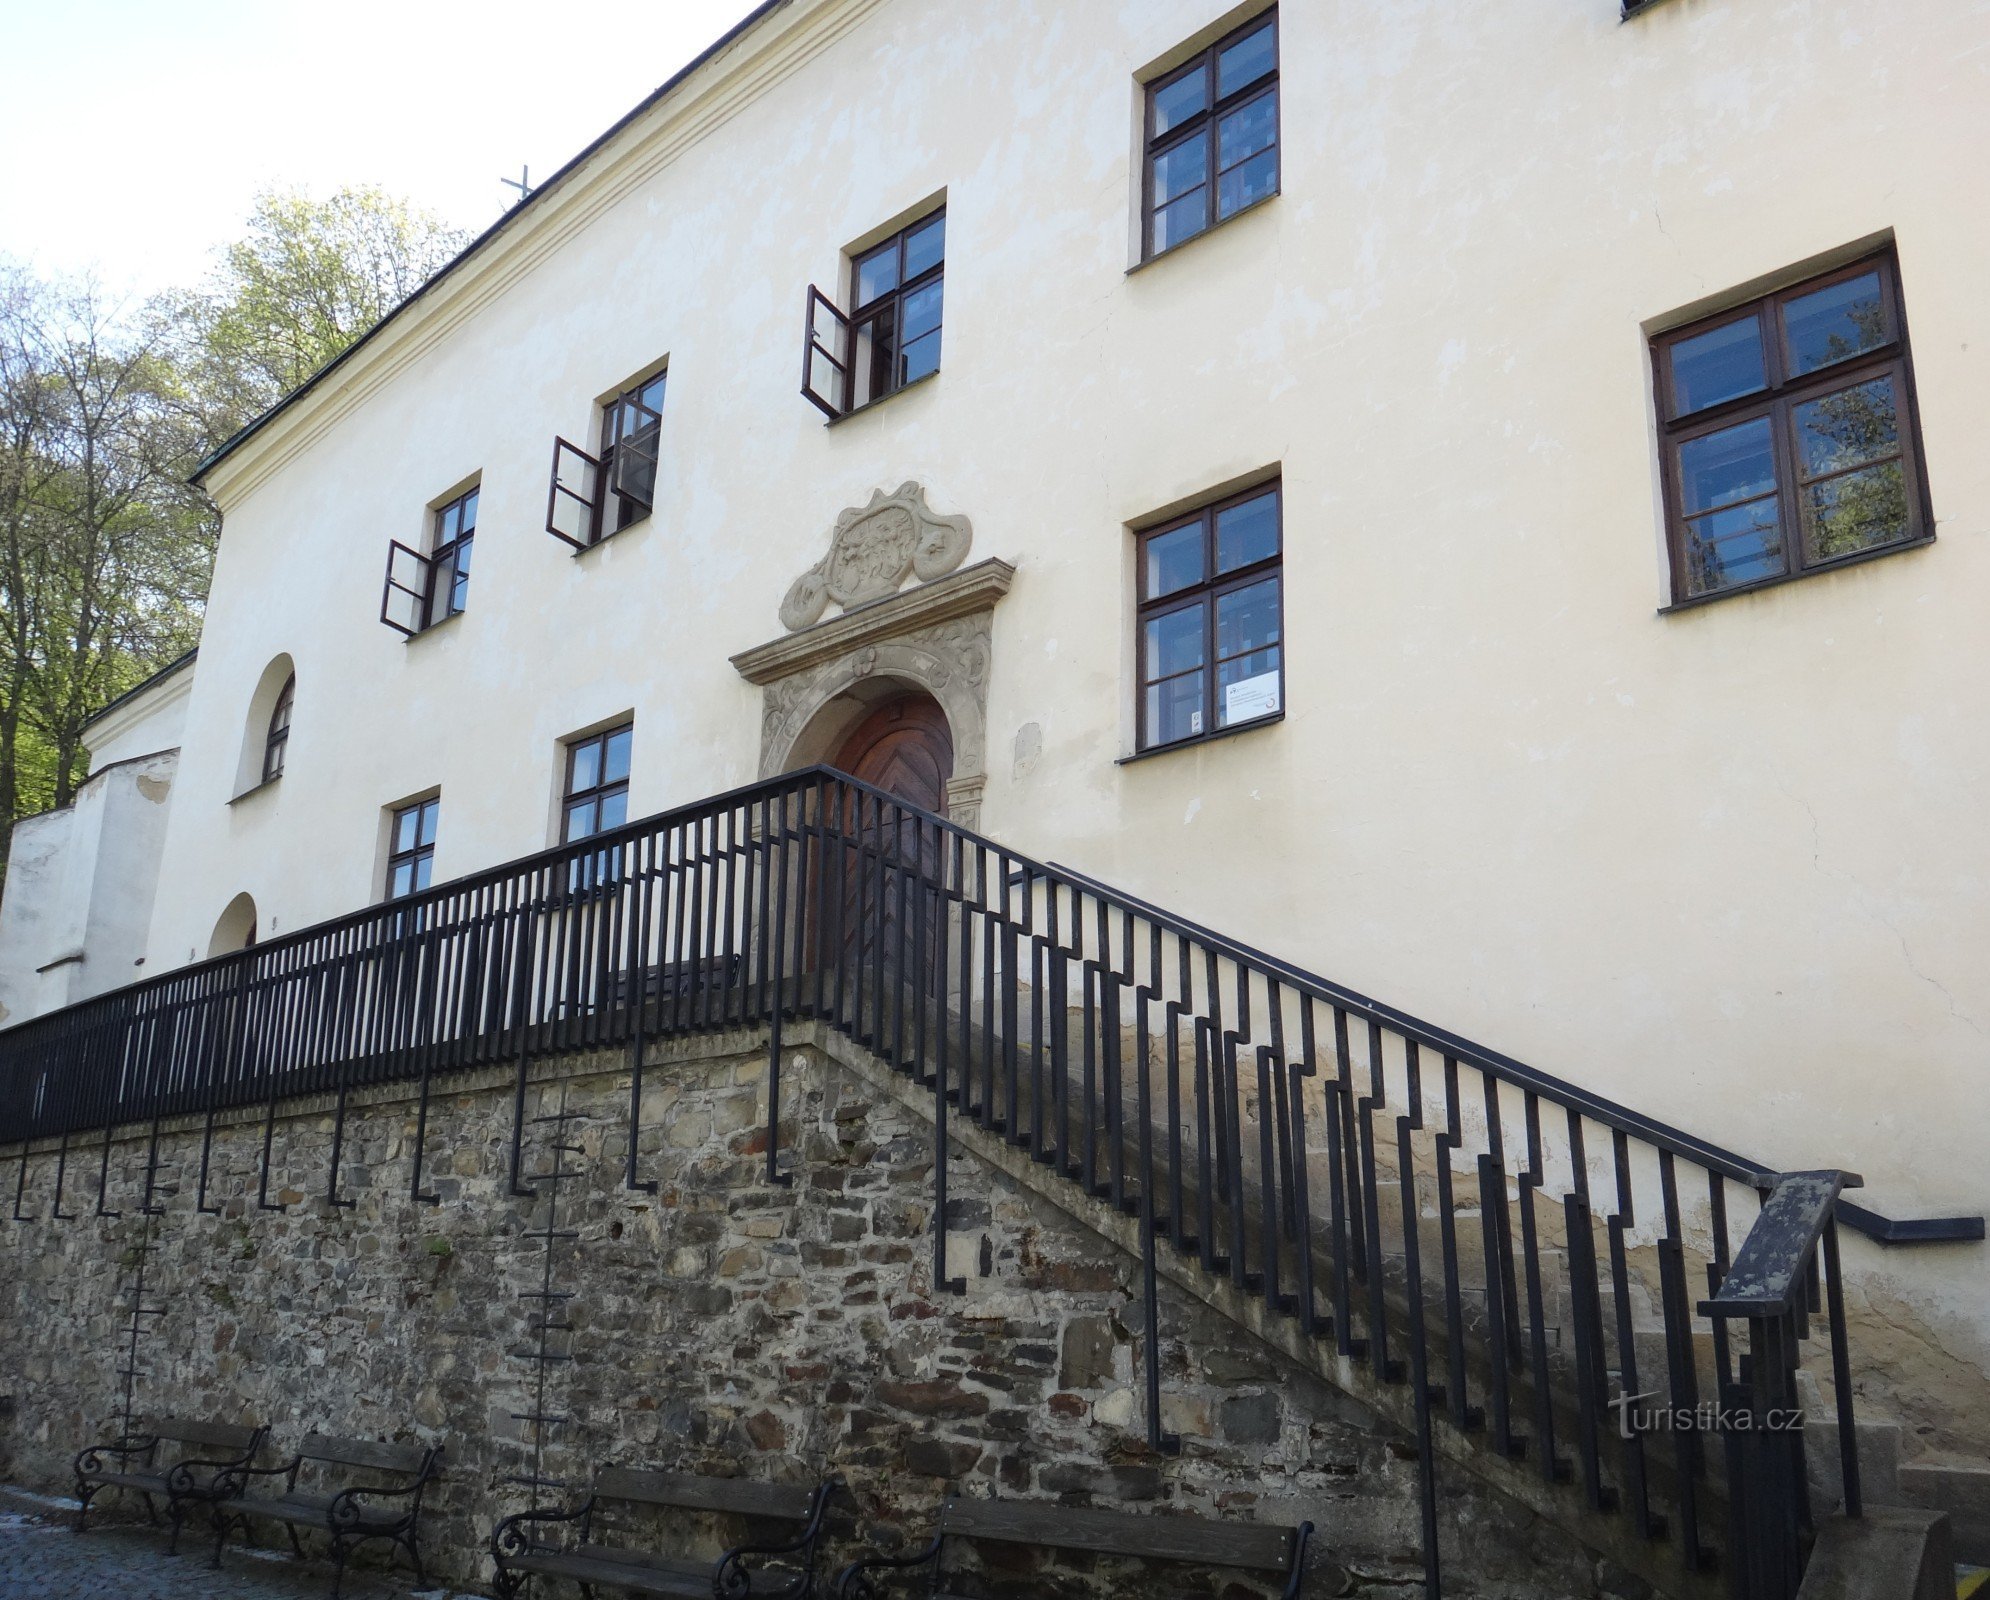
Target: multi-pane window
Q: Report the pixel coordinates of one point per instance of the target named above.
(631, 436)
(1212, 135)
(593, 496)
(424, 588)
(276, 742)
(449, 557)
(1788, 433)
(891, 334)
(597, 788)
(1210, 619)
(411, 847)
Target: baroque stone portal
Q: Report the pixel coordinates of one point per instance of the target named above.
(821, 675)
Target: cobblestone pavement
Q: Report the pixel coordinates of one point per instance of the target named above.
(42, 1559)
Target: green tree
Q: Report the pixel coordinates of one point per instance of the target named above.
(106, 408)
(103, 549)
(307, 279)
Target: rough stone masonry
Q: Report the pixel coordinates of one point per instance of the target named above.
(723, 1325)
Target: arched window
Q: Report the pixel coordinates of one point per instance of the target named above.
(265, 746)
(277, 741)
(236, 929)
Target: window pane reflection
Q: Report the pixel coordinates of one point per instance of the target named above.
(1174, 642)
(1718, 365)
(1848, 427)
(1835, 323)
(1174, 709)
(1174, 560)
(1176, 102)
(1855, 511)
(1246, 61)
(1247, 533)
(1742, 544)
(1717, 469)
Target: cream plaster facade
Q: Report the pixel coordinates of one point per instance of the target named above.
(1727, 864)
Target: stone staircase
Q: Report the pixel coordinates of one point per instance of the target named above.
(1488, 1255)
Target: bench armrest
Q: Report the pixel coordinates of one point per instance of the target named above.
(510, 1538)
(231, 1482)
(180, 1481)
(852, 1583)
(730, 1577)
(345, 1510)
(90, 1459)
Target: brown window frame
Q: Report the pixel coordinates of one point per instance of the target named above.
(1207, 122)
(276, 739)
(427, 599)
(450, 552)
(590, 482)
(1776, 402)
(1205, 593)
(420, 854)
(852, 340)
(602, 869)
(598, 791)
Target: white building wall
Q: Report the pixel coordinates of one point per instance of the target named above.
(1727, 865)
(78, 904)
(76, 912)
(40, 921)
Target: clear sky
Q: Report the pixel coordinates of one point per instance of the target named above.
(134, 133)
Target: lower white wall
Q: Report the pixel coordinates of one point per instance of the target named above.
(77, 905)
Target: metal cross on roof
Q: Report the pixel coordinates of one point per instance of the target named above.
(522, 183)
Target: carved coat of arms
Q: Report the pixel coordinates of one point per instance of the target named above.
(874, 549)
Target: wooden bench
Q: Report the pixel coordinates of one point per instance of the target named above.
(1197, 1541)
(189, 1479)
(386, 1506)
(521, 1552)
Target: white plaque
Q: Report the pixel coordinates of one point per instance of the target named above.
(1250, 698)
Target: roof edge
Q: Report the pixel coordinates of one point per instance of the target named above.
(243, 435)
(143, 686)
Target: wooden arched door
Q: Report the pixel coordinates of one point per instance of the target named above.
(905, 748)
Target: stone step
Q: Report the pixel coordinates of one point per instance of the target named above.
(1960, 1489)
(1879, 1441)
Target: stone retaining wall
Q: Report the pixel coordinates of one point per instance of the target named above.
(722, 1325)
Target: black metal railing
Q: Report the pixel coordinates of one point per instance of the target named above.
(1510, 1247)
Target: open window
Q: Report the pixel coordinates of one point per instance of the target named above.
(424, 588)
(890, 336)
(404, 600)
(826, 355)
(593, 496)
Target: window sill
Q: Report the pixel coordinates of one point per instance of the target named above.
(614, 533)
(1201, 739)
(1698, 600)
(435, 627)
(883, 399)
(255, 789)
(1174, 250)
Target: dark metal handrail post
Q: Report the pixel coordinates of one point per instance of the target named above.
(1768, 1285)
